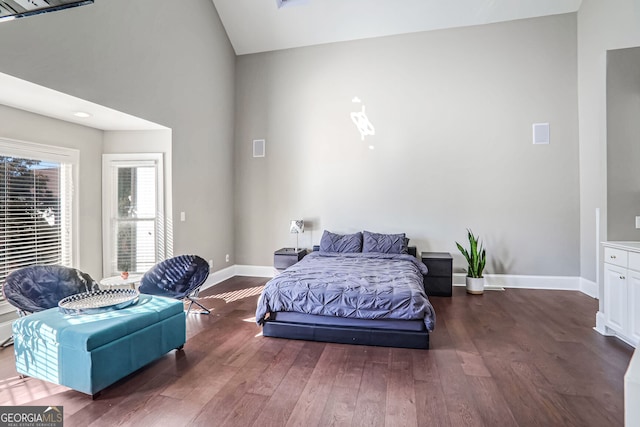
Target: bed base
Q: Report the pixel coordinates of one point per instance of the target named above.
(346, 334)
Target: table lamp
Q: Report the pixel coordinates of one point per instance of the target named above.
(297, 227)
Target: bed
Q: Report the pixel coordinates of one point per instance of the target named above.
(348, 291)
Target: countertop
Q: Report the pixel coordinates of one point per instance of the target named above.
(627, 246)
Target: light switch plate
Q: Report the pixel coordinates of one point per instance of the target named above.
(638, 222)
(259, 148)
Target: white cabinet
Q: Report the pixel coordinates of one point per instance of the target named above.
(621, 305)
(615, 297)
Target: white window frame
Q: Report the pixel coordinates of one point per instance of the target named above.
(109, 200)
(36, 151)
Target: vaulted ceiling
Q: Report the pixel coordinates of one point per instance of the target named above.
(260, 25)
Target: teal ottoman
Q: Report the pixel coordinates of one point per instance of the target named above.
(92, 351)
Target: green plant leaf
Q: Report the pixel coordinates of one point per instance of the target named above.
(464, 251)
(476, 256)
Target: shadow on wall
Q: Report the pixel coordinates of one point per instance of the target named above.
(498, 264)
(311, 226)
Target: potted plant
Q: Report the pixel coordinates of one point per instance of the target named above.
(125, 271)
(476, 259)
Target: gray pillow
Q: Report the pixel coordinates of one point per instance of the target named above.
(385, 243)
(331, 242)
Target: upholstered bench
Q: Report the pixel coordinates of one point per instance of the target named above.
(92, 351)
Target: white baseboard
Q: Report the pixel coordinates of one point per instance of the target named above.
(256, 271)
(219, 276)
(565, 283)
(589, 287)
(496, 281)
(602, 328)
(601, 325)
(238, 270)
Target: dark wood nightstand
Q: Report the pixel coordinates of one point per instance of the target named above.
(439, 280)
(286, 257)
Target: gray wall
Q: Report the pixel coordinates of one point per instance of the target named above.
(150, 60)
(24, 126)
(148, 141)
(623, 143)
(452, 111)
(601, 26)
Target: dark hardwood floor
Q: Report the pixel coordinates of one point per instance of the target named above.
(512, 358)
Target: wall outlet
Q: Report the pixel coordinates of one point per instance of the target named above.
(210, 263)
(226, 258)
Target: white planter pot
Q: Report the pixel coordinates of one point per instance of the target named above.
(475, 285)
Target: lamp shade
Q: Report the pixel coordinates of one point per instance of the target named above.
(297, 226)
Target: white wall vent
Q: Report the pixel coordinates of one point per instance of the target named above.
(258, 148)
(541, 133)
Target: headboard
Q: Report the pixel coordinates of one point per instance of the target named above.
(412, 250)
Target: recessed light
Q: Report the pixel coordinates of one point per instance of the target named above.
(371, 147)
(81, 114)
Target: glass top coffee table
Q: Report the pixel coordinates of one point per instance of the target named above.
(116, 282)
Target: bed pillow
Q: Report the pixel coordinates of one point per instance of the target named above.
(331, 242)
(385, 243)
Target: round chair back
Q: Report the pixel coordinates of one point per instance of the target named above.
(40, 287)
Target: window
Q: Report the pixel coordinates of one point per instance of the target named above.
(134, 229)
(36, 205)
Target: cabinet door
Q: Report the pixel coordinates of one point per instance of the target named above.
(615, 297)
(633, 305)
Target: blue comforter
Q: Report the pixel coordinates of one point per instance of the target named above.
(358, 285)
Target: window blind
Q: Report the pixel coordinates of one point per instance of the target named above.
(136, 227)
(35, 212)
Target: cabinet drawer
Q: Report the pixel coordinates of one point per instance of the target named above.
(439, 264)
(634, 261)
(282, 262)
(438, 286)
(615, 256)
(438, 268)
(286, 257)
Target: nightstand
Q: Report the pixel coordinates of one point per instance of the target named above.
(286, 257)
(439, 280)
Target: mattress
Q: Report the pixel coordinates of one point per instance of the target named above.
(371, 286)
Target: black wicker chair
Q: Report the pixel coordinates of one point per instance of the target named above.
(179, 277)
(40, 287)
